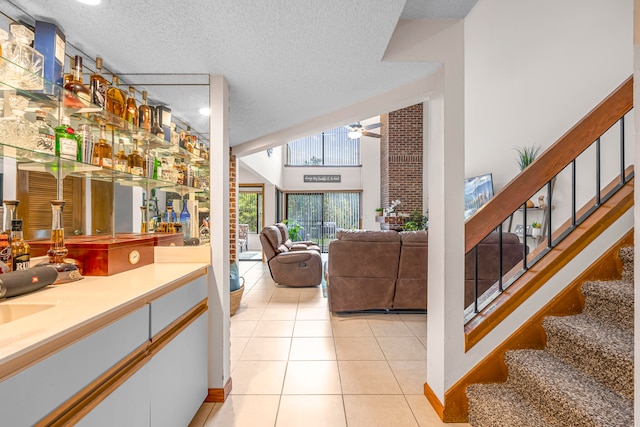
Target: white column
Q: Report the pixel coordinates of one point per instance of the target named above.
(219, 345)
(636, 195)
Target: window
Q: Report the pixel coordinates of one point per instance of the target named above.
(250, 209)
(330, 148)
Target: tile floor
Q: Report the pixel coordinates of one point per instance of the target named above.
(294, 364)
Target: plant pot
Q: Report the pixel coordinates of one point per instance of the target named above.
(536, 232)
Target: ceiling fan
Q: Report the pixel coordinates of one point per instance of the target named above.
(356, 130)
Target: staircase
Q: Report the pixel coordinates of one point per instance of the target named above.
(584, 377)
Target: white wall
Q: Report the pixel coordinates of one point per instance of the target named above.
(533, 69)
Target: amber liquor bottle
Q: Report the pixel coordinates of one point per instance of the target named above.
(136, 163)
(116, 99)
(121, 162)
(102, 151)
(144, 113)
(80, 95)
(98, 85)
(20, 250)
(131, 115)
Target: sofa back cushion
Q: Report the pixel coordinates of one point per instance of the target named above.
(271, 241)
(368, 235)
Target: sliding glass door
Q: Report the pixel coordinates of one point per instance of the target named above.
(320, 215)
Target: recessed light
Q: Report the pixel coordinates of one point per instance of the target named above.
(205, 111)
(90, 2)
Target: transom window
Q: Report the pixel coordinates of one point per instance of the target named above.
(329, 148)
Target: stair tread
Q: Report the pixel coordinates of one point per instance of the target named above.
(604, 336)
(498, 405)
(558, 389)
(618, 289)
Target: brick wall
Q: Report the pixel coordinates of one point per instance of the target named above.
(401, 158)
(233, 210)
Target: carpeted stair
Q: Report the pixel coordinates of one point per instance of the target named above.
(584, 377)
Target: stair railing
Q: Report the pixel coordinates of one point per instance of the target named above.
(540, 177)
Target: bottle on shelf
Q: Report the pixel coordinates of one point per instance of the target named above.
(24, 67)
(98, 86)
(20, 250)
(80, 95)
(116, 99)
(155, 127)
(5, 236)
(85, 136)
(15, 129)
(135, 161)
(175, 136)
(131, 114)
(144, 113)
(185, 220)
(66, 141)
(143, 220)
(68, 270)
(102, 150)
(121, 161)
(188, 144)
(195, 147)
(46, 142)
(69, 76)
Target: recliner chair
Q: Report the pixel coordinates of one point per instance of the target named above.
(297, 245)
(297, 268)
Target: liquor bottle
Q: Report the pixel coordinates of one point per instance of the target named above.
(20, 250)
(188, 144)
(185, 220)
(116, 99)
(131, 115)
(155, 127)
(5, 236)
(144, 113)
(25, 66)
(135, 161)
(98, 86)
(102, 150)
(66, 141)
(143, 220)
(80, 95)
(195, 146)
(175, 137)
(69, 76)
(67, 268)
(121, 162)
(15, 129)
(85, 134)
(46, 142)
(203, 152)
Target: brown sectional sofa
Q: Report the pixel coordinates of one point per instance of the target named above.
(387, 270)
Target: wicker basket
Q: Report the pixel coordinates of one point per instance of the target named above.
(235, 298)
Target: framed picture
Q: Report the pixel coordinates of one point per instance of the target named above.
(518, 229)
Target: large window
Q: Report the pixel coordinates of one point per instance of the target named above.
(321, 214)
(330, 148)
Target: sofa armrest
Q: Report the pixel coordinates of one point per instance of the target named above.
(296, 257)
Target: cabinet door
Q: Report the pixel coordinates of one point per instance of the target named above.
(179, 377)
(29, 395)
(167, 309)
(129, 405)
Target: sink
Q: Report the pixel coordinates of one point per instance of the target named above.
(14, 311)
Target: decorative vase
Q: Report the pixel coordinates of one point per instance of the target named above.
(530, 204)
(536, 232)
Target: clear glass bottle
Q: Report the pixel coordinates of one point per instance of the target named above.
(5, 236)
(24, 67)
(80, 95)
(46, 140)
(131, 114)
(175, 136)
(66, 141)
(98, 85)
(143, 220)
(85, 134)
(155, 127)
(67, 268)
(69, 76)
(20, 250)
(144, 113)
(185, 220)
(121, 162)
(135, 161)
(15, 129)
(102, 150)
(116, 99)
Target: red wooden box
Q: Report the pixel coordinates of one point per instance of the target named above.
(103, 255)
(159, 239)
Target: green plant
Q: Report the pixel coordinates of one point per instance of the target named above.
(295, 229)
(416, 221)
(536, 225)
(526, 155)
(379, 211)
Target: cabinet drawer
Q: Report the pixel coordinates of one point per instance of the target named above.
(31, 394)
(168, 308)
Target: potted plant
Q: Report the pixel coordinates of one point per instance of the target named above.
(295, 229)
(536, 229)
(526, 156)
(379, 211)
(416, 221)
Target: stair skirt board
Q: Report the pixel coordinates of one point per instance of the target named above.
(584, 376)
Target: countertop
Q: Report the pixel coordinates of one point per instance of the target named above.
(77, 308)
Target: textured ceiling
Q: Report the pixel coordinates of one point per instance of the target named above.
(286, 61)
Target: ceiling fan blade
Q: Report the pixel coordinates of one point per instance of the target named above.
(372, 126)
(371, 134)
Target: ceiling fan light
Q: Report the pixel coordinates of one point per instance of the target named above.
(354, 134)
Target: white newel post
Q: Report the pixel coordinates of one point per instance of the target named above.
(219, 344)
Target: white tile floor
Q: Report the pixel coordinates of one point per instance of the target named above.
(295, 364)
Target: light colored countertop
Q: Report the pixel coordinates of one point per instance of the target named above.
(78, 308)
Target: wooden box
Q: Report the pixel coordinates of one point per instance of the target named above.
(103, 255)
(159, 239)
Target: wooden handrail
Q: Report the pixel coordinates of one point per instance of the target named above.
(551, 162)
